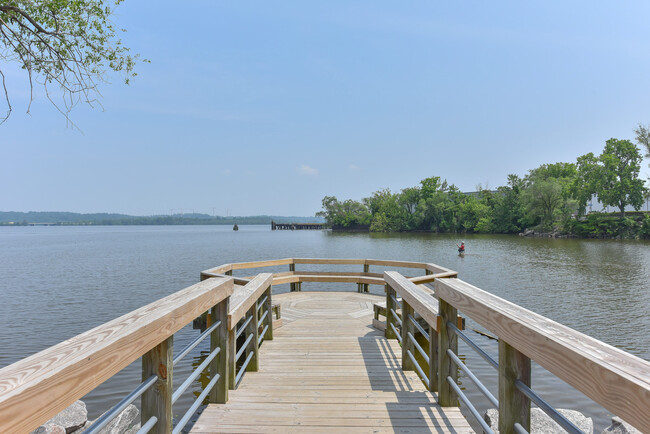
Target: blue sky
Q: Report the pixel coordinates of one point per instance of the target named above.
(265, 107)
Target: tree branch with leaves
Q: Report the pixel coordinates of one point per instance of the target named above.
(65, 46)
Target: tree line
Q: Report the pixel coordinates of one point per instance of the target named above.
(551, 197)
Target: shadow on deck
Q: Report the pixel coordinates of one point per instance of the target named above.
(328, 369)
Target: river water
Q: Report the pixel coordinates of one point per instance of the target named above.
(57, 282)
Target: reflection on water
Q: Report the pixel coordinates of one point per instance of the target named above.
(56, 282)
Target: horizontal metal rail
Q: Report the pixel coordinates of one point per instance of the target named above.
(417, 345)
(266, 312)
(261, 337)
(520, 429)
(195, 342)
(120, 406)
(419, 327)
(190, 412)
(398, 335)
(472, 377)
(397, 318)
(486, 428)
(418, 368)
(261, 303)
(243, 347)
(546, 408)
(183, 387)
(147, 426)
(243, 327)
(239, 375)
(475, 347)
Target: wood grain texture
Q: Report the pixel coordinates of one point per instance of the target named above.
(613, 378)
(40, 386)
(328, 370)
(219, 366)
(432, 277)
(514, 406)
(447, 340)
(157, 400)
(245, 297)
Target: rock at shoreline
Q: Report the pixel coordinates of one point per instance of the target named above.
(68, 421)
(541, 423)
(619, 426)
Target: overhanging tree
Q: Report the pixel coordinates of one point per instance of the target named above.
(65, 46)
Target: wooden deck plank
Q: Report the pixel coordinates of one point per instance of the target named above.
(329, 369)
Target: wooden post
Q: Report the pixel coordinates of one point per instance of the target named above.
(514, 406)
(389, 333)
(366, 269)
(232, 353)
(219, 365)
(407, 344)
(157, 400)
(228, 273)
(253, 329)
(427, 272)
(292, 267)
(447, 340)
(268, 336)
(433, 359)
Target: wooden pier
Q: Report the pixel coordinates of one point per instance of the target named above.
(328, 369)
(331, 366)
(296, 226)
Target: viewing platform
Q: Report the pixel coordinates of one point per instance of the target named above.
(314, 361)
(328, 369)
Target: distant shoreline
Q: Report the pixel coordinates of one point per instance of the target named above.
(105, 219)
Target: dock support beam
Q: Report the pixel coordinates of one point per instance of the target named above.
(433, 358)
(157, 400)
(407, 344)
(514, 406)
(253, 329)
(390, 306)
(366, 269)
(219, 365)
(447, 340)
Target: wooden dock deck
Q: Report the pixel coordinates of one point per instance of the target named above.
(328, 369)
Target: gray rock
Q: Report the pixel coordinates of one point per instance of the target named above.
(70, 419)
(122, 423)
(540, 423)
(49, 428)
(619, 426)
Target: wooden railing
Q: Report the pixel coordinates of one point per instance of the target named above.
(362, 278)
(38, 387)
(618, 381)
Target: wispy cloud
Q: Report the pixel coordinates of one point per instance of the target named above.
(353, 167)
(307, 170)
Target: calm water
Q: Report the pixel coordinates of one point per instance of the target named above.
(56, 282)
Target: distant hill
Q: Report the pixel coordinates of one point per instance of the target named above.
(71, 218)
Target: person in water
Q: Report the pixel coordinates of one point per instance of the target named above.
(461, 248)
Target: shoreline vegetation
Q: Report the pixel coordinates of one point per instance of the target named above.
(549, 201)
(34, 218)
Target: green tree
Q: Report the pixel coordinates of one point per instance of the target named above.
(508, 214)
(643, 138)
(388, 215)
(67, 46)
(585, 184)
(547, 196)
(618, 182)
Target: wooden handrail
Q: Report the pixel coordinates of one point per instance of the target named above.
(327, 261)
(613, 378)
(422, 302)
(38, 387)
(244, 298)
(296, 277)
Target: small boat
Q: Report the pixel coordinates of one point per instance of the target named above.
(235, 228)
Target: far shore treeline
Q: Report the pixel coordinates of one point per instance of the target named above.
(552, 199)
(12, 218)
